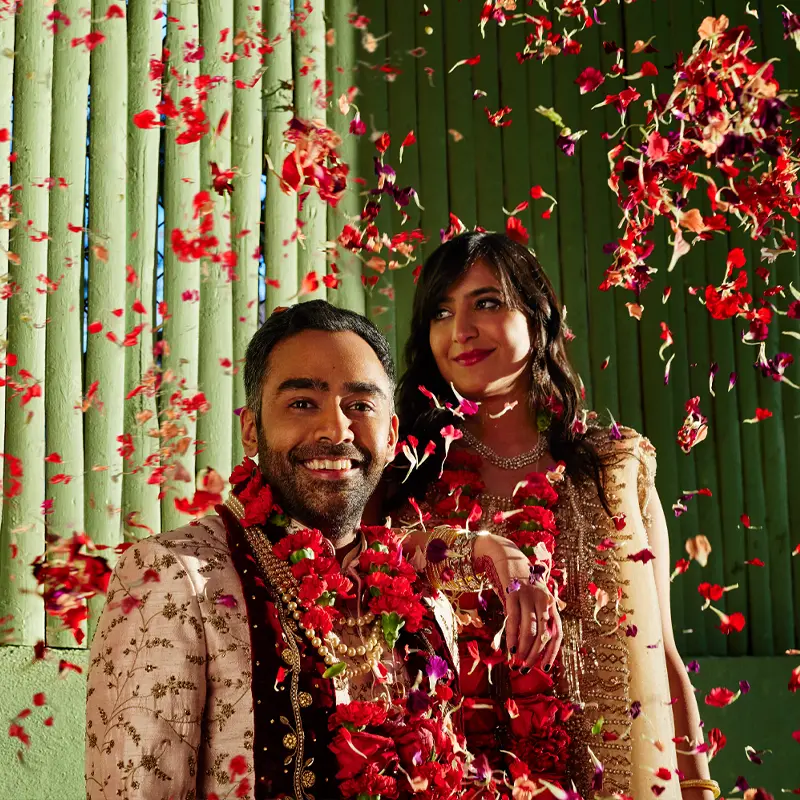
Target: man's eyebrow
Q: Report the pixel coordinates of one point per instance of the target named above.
(476, 292)
(364, 387)
(291, 384)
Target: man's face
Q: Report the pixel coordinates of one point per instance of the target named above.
(327, 429)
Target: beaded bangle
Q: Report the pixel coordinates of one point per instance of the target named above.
(702, 783)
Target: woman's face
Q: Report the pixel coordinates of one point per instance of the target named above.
(480, 344)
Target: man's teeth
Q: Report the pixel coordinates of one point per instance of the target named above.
(339, 464)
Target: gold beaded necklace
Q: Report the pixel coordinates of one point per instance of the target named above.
(333, 651)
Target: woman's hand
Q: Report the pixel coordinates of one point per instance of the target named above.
(533, 626)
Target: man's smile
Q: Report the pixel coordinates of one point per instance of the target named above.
(332, 469)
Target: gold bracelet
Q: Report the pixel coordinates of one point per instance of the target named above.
(434, 570)
(702, 783)
(461, 543)
(444, 532)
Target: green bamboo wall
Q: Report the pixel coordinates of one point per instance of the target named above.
(460, 164)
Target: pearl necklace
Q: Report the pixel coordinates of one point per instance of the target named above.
(363, 658)
(513, 463)
(331, 645)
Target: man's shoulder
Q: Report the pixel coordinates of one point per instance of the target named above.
(199, 538)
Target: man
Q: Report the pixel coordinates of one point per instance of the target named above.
(198, 685)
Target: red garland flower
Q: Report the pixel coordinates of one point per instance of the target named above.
(358, 714)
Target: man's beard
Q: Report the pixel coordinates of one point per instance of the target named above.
(335, 509)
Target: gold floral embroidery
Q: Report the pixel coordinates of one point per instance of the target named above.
(169, 700)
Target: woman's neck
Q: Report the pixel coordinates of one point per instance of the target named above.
(504, 420)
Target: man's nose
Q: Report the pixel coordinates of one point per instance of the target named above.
(334, 426)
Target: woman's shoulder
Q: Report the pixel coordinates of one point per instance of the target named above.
(620, 440)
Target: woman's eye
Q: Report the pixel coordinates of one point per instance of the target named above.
(440, 313)
(487, 302)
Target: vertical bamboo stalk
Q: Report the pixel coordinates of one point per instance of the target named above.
(181, 183)
(6, 89)
(214, 430)
(25, 427)
(138, 496)
(309, 98)
(63, 346)
(773, 439)
(280, 210)
(373, 103)
(341, 64)
(108, 126)
(401, 20)
(246, 155)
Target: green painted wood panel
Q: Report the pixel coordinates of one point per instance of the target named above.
(599, 210)
(542, 155)
(771, 395)
(461, 151)
(402, 92)
(489, 165)
(790, 423)
(514, 138)
(628, 350)
(432, 126)
(571, 225)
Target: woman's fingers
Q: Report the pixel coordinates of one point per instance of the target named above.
(528, 624)
(554, 638)
(554, 645)
(543, 624)
(512, 623)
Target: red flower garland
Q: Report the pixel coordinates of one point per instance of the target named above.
(389, 748)
(536, 721)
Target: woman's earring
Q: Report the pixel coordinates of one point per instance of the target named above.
(539, 371)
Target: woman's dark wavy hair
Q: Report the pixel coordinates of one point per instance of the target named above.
(525, 287)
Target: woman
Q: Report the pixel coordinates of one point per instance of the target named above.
(486, 324)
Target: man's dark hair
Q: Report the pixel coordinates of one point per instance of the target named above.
(316, 315)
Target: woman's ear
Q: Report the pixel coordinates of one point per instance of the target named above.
(247, 420)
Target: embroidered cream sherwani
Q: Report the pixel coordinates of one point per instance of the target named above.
(195, 690)
(169, 701)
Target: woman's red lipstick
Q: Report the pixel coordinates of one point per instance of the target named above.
(472, 357)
